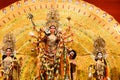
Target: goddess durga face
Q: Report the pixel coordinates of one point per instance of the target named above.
(52, 29)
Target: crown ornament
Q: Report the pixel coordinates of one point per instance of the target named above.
(52, 18)
(99, 45)
(9, 41)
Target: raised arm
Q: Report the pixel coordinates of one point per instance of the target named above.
(30, 16)
(65, 37)
(66, 30)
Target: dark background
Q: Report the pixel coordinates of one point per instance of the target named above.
(110, 6)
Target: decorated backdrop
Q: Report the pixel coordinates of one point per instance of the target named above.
(87, 23)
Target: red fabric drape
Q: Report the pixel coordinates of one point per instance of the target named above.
(110, 6)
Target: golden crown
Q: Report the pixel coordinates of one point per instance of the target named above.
(99, 45)
(52, 18)
(9, 41)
